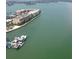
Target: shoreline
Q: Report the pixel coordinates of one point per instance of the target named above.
(17, 27)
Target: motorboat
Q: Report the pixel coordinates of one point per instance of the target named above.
(17, 42)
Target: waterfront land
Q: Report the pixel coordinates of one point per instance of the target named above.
(17, 27)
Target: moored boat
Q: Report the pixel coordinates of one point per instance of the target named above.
(17, 42)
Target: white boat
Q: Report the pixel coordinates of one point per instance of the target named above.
(18, 41)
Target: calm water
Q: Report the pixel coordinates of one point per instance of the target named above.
(49, 35)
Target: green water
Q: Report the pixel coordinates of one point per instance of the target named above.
(49, 35)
